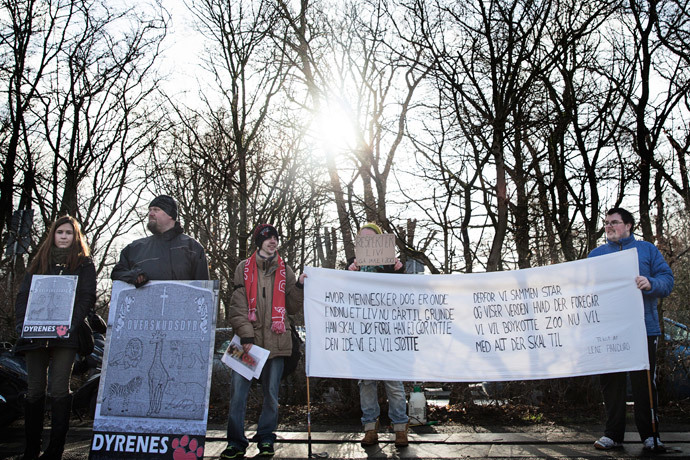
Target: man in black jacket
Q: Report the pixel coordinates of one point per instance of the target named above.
(168, 254)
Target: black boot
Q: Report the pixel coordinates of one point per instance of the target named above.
(60, 410)
(33, 427)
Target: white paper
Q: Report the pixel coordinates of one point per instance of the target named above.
(248, 365)
(50, 306)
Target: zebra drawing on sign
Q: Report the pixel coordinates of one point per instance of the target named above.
(124, 392)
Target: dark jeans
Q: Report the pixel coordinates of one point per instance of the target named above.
(38, 362)
(268, 420)
(613, 387)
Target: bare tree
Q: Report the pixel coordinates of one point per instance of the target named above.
(81, 82)
(301, 29)
(445, 166)
(655, 57)
(80, 111)
(97, 120)
(31, 36)
(577, 126)
(361, 72)
(488, 56)
(238, 160)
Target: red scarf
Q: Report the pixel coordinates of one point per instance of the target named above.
(251, 282)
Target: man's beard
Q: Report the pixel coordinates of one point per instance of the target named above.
(152, 225)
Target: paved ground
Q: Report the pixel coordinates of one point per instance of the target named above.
(552, 442)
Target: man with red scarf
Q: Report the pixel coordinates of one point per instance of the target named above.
(266, 291)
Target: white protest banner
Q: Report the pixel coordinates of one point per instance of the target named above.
(50, 306)
(375, 249)
(156, 375)
(576, 318)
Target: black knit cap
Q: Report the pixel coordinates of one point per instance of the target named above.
(167, 204)
(262, 232)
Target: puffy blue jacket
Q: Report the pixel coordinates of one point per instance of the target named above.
(653, 267)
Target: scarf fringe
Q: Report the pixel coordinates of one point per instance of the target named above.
(278, 327)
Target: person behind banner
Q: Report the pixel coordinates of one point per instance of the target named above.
(168, 254)
(266, 291)
(63, 252)
(368, 391)
(655, 281)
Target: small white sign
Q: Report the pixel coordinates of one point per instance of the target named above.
(248, 365)
(50, 306)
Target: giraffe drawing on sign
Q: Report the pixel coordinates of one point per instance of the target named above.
(158, 376)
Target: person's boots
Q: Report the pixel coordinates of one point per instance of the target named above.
(33, 427)
(401, 435)
(60, 410)
(371, 435)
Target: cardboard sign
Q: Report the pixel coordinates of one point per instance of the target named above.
(570, 319)
(50, 306)
(156, 377)
(375, 249)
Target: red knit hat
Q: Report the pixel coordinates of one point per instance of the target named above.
(262, 232)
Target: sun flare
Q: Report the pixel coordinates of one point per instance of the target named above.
(334, 129)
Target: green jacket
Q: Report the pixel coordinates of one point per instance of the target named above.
(259, 332)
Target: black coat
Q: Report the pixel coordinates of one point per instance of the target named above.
(84, 301)
(167, 256)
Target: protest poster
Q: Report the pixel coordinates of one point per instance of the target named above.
(49, 306)
(156, 375)
(375, 249)
(248, 365)
(570, 319)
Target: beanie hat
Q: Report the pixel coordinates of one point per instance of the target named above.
(264, 232)
(167, 204)
(372, 226)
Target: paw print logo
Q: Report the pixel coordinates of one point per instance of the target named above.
(61, 331)
(184, 449)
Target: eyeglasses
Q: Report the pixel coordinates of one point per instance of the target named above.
(611, 223)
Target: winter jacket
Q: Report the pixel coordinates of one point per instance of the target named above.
(84, 300)
(259, 332)
(653, 267)
(171, 255)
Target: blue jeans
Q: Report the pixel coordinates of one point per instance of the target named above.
(369, 400)
(268, 420)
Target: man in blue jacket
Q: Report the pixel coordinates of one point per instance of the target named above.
(655, 281)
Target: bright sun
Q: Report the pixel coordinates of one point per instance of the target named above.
(334, 129)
